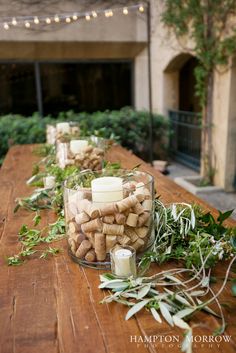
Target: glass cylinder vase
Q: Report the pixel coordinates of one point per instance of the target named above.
(105, 209)
(84, 153)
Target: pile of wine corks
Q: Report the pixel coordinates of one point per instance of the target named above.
(89, 158)
(93, 231)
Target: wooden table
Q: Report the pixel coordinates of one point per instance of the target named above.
(53, 305)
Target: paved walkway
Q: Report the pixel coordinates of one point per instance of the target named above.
(221, 200)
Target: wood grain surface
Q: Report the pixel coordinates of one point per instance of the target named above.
(53, 305)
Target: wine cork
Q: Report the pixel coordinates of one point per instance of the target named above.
(126, 203)
(82, 250)
(100, 246)
(92, 226)
(109, 209)
(124, 240)
(91, 210)
(147, 205)
(72, 245)
(87, 149)
(93, 157)
(111, 241)
(82, 217)
(79, 157)
(130, 232)
(85, 163)
(77, 237)
(142, 232)
(147, 194)
(113, 229)
(98, 151)
(120, 218)
(73, 227)
(138, 244)
(143, 218)
(132, 220)
(90, 256)
(90, 237)
(108, 219)
(138, 209)
(139, 195)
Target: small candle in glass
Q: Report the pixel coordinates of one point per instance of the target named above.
(123, 261)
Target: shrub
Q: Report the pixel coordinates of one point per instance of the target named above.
(130, 127)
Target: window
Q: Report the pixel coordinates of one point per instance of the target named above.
(17, 89)
(80, 86)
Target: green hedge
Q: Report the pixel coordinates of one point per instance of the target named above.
(130, 127)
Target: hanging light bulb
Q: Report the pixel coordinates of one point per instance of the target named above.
(107, 13)
(141, 8)
(68, 20)
(48, 20)
(111, 13)
(87, 17)
(56, 18)
(125, 11)
(14, 21)
(6, 25)
(36, 20)
(75, 17)
(27, 24)
(94, 14)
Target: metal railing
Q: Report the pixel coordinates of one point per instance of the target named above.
(185, 140)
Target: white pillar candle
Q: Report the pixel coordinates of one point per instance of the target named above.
(63, 128)
(49, 182)
(77, 146)
(107, 189)
(124, 263)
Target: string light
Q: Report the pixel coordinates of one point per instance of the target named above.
(36, 20)
(14, 21)
(108, 13)
(27, 21)
(141, 8)
(56, 18)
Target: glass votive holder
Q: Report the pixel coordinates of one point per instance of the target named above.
(108, 208)
(84, 153)
(123, 261)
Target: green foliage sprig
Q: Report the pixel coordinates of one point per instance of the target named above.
(181, 229)
(30, 239)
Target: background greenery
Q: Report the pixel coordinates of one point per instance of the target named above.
(129, 127)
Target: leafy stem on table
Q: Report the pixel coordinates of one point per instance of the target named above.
(30, 239)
